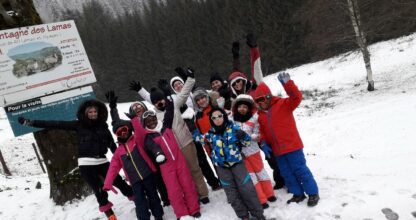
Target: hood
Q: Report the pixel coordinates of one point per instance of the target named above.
(175, 78)
(102, 113)
(234, 76)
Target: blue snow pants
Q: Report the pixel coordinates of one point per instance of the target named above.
(298, 178)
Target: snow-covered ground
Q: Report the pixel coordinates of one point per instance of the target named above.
(359, 146)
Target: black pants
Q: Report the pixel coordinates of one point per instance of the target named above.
(278, 179)
(161, 188)
(207, 171)
(146, 198)
(94, 175)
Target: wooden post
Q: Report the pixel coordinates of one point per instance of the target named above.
(3, 163)
(37, 155)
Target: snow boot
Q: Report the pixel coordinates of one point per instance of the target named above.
(296, 199)
(313, 200)
(265, 205)
(204, 200)
(197, 215)
(272, 199)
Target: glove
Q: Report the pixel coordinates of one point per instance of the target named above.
(108, 188)
(251, 41)
(190, 72)
(181, 72)
(283, 77)
(267, 150)
(111, 98)
(135, 86)
(236, 49)
(24, 121)
(240, 134)
(164, 86)
(160, 159)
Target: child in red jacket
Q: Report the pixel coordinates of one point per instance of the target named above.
(278, 129)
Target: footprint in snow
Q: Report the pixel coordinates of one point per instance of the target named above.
(390, 214)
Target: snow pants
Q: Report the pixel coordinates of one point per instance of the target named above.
(146, 198)
(181, 188)
(189, 152)
(240, 190)
(259, 177)
(161, 187)
(207, 171)
(277, 177)
(298, 177)
(94, 175)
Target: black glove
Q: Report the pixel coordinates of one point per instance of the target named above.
(24, 121)
(240, 134)
(111, 98)
(251, 41)
(236, 49)
(163, 85)
(181, 72)
(135, 86)
(190, 72)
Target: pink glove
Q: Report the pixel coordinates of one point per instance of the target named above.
(108, 188)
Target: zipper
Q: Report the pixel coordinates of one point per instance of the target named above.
(269, 119)
(126, 146)
(167, 145)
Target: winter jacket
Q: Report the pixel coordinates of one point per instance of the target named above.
(179, 127)
(94, 137)
(277, 124)
(251, 127)
(136, 163)
(226, 148)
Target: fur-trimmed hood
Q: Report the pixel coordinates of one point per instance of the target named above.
(102, 113)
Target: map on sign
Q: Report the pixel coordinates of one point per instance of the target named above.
(39, 60)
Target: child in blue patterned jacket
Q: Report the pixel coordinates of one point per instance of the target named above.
(226, 140)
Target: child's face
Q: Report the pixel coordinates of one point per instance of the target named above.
(92, 113)
(151, 122)
(218, 118)
(242, 109)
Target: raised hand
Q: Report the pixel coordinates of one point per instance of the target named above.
(135, 86)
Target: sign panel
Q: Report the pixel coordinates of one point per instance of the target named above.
(61, 106)
(40, 60)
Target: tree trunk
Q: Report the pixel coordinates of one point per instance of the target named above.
(58, 148)
(361, 40)
(4, 165)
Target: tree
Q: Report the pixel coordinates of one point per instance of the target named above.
(57, 147)
(354, 13)
(4, 165)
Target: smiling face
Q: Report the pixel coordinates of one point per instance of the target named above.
(218, 118)
(238, 85)
(202, 101)
(150, 122)
(138, 109)
(92, 113)
(215, 85)
(263, 102)
(177, 86)
(242, 109)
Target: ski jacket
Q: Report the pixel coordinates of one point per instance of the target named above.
(226, 147)
(94, 137)
(179, 126)
(278, 125)
(252, 128)
(133, 159)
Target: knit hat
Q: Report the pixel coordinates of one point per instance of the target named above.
(216, 76)
(262, 90)
(156, 95)
(198, 93)
(173, 80)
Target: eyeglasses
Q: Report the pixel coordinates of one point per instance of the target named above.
(237, 81)
(217, 117)
(261, 99)
(137, 107)
(121, 131)
(147, 114)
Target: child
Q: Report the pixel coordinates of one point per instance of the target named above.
(175, 172)
(226, 140)
(245, 116)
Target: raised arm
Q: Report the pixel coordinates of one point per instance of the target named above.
(255, 62)
(295, 96)
(182, 97)
(169, 115)
(236, 55)
(137, 87)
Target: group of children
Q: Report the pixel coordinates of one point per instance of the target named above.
(162, 148)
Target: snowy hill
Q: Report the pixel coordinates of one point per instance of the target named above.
(360, 146)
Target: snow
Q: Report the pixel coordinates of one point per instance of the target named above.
(359, 145)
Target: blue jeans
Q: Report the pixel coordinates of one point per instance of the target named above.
(298, 178)
(146, 195)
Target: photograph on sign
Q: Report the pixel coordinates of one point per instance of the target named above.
(43, 59)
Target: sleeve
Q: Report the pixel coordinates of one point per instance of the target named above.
(139, 131)
(246, 140)
(182, 97)
(113, 146)
(113, 170)
(256, 129)
(169, 115)
(255, 64)
(144, 94)
(236, 63)
(63, 125)
(153, 147)
(114, 114)
(295, 96)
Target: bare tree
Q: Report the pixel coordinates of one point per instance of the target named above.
(360, 35)
(4, 165)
